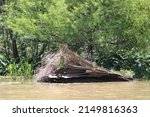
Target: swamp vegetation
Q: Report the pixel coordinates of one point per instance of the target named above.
(113, 33)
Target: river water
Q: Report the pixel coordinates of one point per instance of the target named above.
(78, 91)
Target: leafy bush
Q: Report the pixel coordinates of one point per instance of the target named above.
(22, 69)
(117, 60)
(3, 66)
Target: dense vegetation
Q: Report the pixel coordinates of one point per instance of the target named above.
(114, 33)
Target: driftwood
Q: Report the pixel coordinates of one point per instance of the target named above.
(66, 66)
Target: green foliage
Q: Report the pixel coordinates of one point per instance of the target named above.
(138, 63)
(42, 19)
(12, 69)
(62, 64)
(110, 31)
(21, 70)
(3, 66)
(125, 24)
(90, 24)
(84, 25)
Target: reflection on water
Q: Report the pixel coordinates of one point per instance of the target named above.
(107, 90)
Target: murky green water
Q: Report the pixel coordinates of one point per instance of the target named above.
(106, 90)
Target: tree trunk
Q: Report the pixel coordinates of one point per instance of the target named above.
(90, 46)
(14, 46)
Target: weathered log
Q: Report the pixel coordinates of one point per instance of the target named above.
(67, 66)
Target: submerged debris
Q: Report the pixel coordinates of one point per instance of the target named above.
(67, 66)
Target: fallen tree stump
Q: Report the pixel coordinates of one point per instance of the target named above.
(66, 66)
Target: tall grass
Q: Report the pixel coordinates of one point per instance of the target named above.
(21, 70)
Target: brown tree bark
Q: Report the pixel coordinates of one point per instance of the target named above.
(14, 46)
